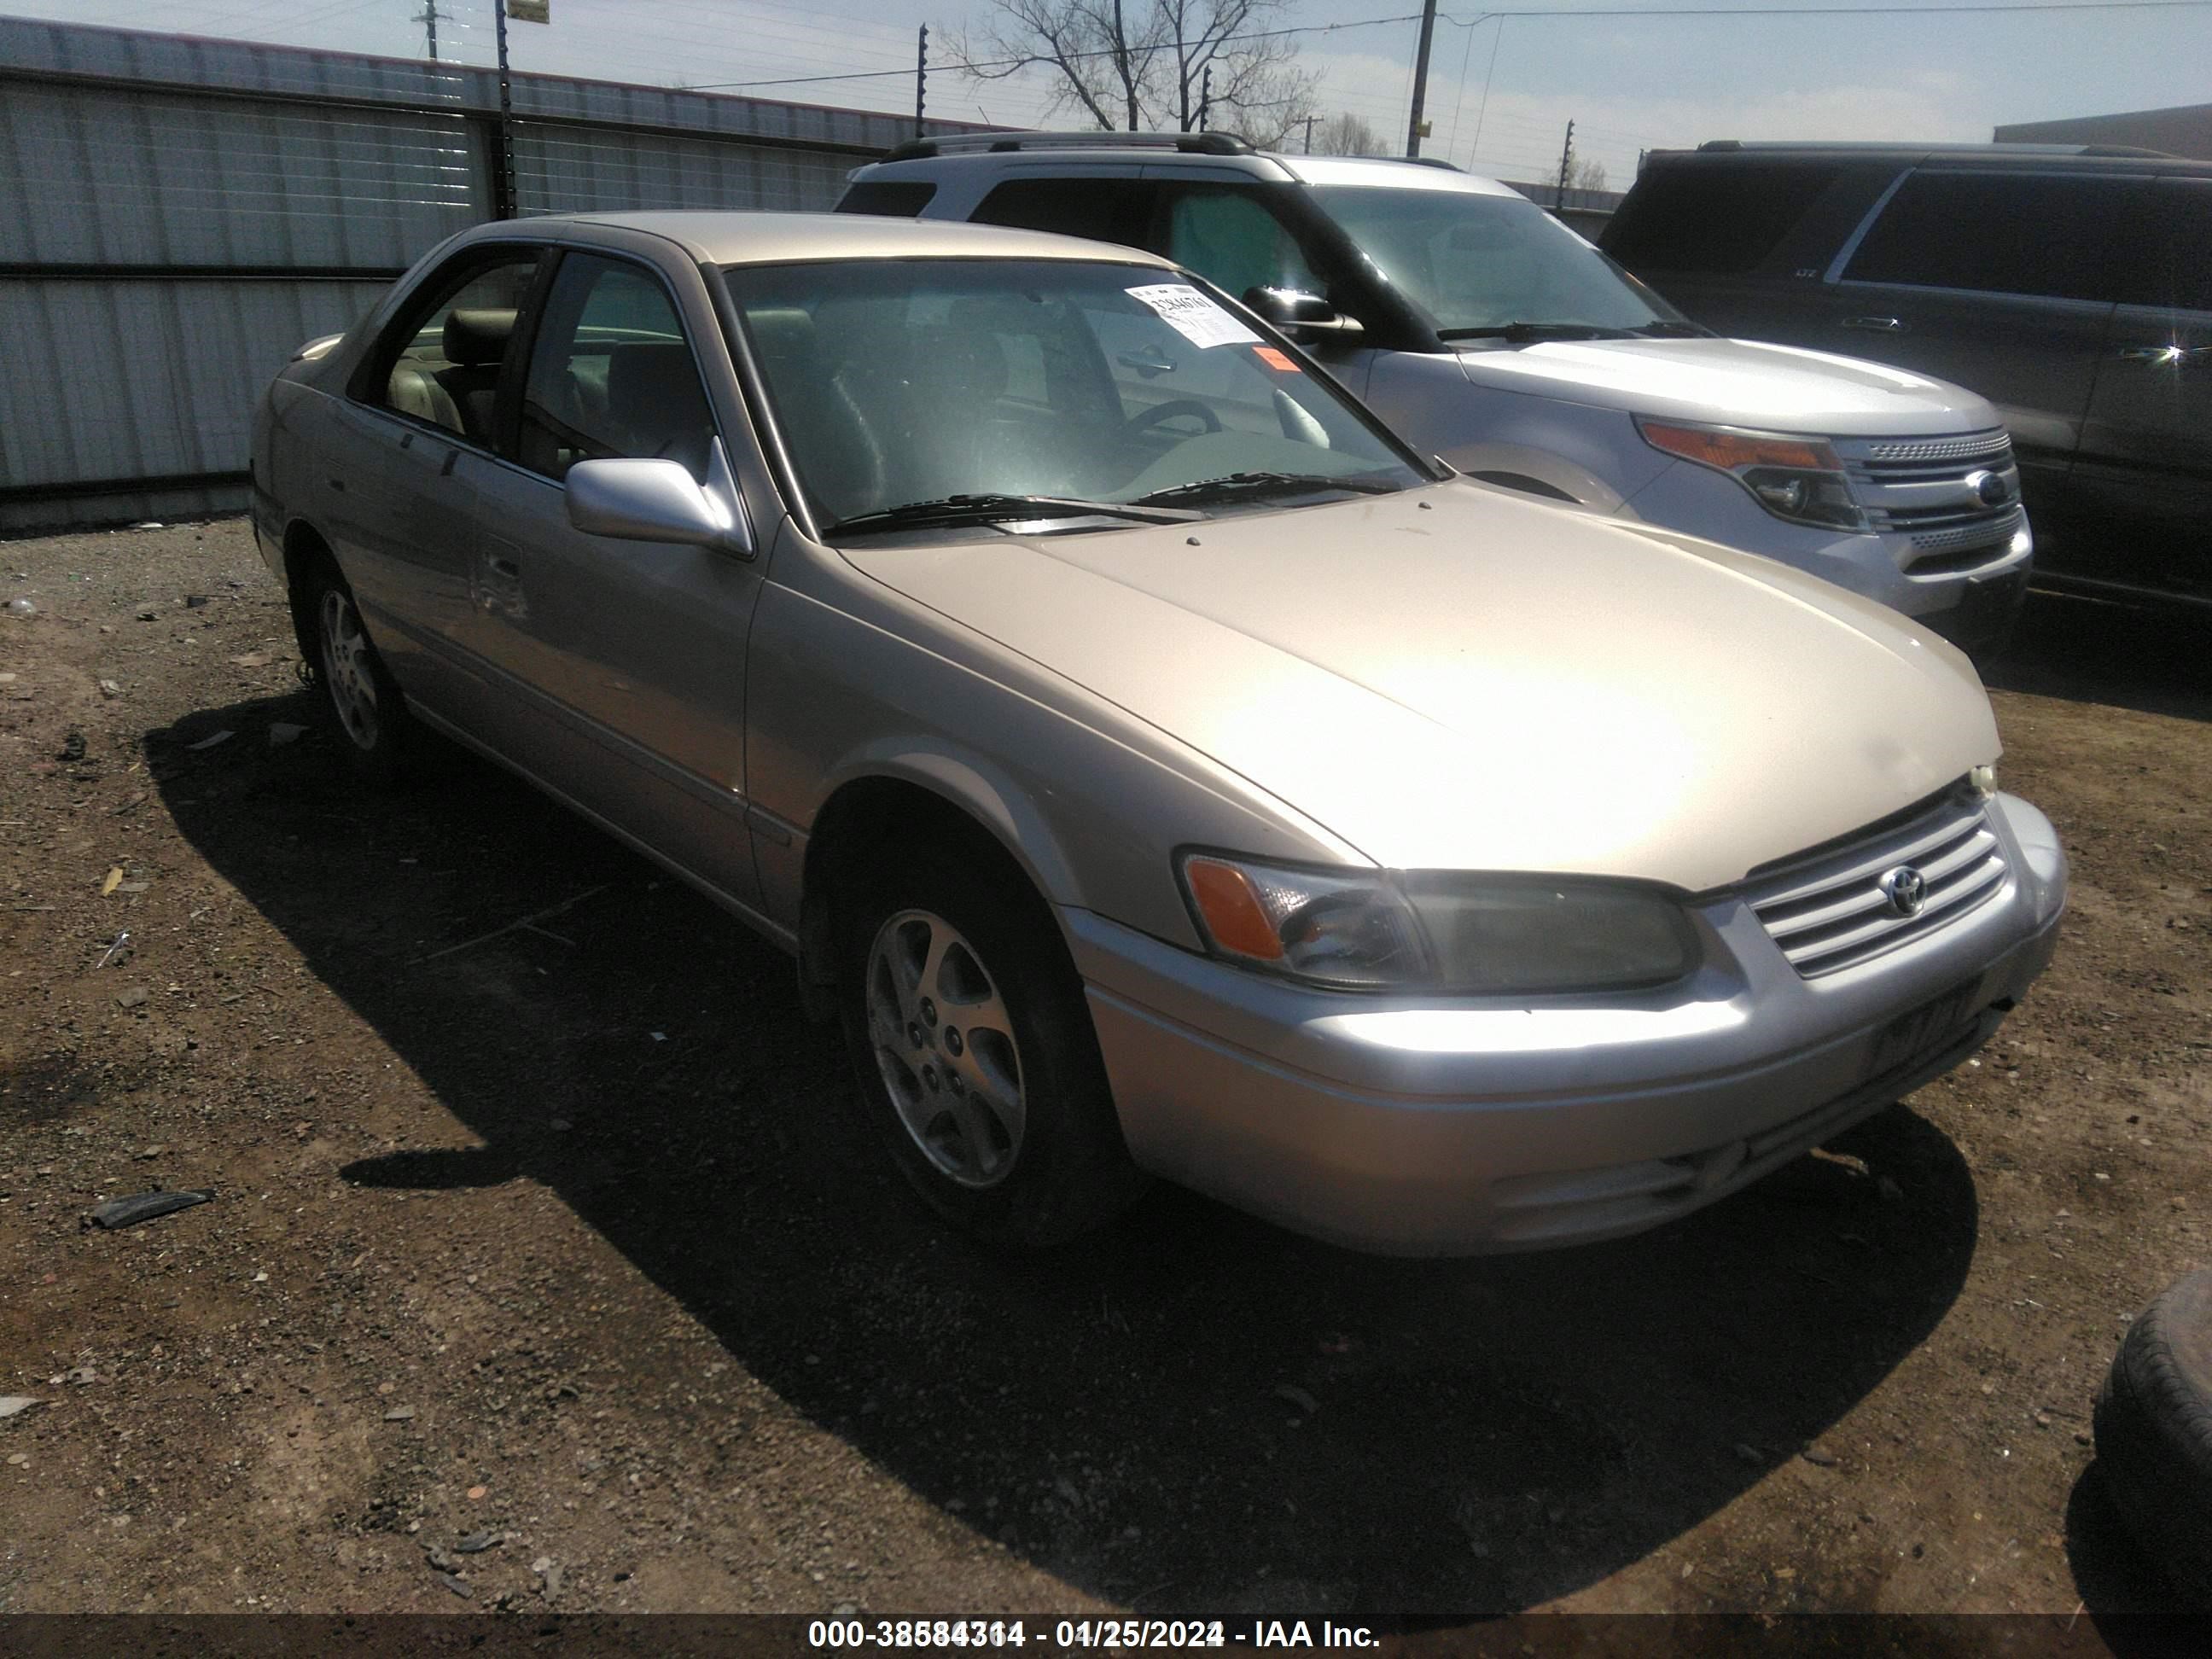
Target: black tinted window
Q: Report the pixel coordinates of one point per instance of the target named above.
(1105, 210)
(1720, 220)
(1999, 233)
(2178, 273)
(893, 199)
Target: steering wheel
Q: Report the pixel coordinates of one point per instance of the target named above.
(1173, 409)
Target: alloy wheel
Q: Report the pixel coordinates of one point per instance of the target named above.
(944, 1043)
(348, 668)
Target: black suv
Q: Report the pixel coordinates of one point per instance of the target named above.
(2069, 285)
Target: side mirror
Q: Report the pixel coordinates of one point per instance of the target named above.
(658, 501)
(1305, 317)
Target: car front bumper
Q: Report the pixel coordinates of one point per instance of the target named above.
(1469, 1126)
(1971, 606)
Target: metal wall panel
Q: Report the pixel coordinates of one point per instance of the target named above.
(133, 165)
(134, 379)
(592, 170)
(116, 178)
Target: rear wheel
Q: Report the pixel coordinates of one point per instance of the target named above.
(973, 1050)
(377, 732)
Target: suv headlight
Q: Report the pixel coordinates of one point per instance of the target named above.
(1441, 931)
(1797, 478)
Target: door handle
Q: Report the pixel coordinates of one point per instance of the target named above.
(2175, 355)
(1876, 325)
(510, 568)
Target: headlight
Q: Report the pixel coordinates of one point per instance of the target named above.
(1797, 478)
(1375, 931)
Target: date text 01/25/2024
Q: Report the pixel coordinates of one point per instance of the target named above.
(938, 1633)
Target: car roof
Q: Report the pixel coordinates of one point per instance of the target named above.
(1388, 173)
(746, 239)
(1034, 154)
(2038, 158)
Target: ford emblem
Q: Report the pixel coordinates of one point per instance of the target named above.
(1993, 489)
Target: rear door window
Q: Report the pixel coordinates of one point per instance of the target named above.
(441, 362)
(1103, 209)
(2027, 233)
(1714, 220)
(891, 199)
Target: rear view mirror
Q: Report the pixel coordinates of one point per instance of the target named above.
(657, 500)
(1304, 316)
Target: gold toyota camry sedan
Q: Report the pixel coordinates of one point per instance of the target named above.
(1157, 767)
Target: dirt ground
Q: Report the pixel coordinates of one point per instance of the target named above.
(568, 1235)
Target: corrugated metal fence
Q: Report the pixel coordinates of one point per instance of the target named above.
(177, 214)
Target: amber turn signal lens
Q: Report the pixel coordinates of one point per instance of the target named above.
(1232, 911)
(1730, 450)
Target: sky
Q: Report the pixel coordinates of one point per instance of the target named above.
(1501, 89)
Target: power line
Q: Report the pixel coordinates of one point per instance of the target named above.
(2012, 7)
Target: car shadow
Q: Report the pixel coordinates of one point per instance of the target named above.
(1195, 1410)
(2087, 650)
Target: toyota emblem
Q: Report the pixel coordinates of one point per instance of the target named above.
(1905, 889)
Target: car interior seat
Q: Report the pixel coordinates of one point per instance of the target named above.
(475, 342)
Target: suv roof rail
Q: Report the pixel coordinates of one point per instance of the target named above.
(1418, 161)
(1195, 143)
(1788, 145)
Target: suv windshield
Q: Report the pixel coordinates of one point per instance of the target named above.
(918, 393)
(1494, 266)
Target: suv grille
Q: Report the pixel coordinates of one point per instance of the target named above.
(1919, 487)
(1826, 909)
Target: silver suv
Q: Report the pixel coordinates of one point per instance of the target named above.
(1493, 336)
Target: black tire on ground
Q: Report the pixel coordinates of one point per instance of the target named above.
(1071, 1172)
(367, 712)
(2153, 1428)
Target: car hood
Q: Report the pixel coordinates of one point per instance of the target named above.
(1456, 678)
(1734, 382)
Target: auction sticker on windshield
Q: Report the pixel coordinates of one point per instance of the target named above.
(1194, 316)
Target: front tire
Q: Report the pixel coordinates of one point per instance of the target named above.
(974, 1051)
(375, 729)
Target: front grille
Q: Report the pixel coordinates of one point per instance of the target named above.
(1827, 911)
(1992, 440)
(1919, 487)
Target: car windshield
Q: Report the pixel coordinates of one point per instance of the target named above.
(1494, 266)
(919, 392)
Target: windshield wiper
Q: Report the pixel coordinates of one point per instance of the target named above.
(1525, 333)
(990, 508)
(1231, 484)
(1674, 331)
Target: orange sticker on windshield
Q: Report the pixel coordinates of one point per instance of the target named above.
(1275, 359)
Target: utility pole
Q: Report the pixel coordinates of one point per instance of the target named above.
(1566, 159)
(921, 74)
(1421, 79)
(1205, 97)
(1310, 120)
(428, 20)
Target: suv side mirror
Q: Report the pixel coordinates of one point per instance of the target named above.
(1305, 317)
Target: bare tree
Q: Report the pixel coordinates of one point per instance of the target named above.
(1586, 174)
(1135, 64)
(1349, 134)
